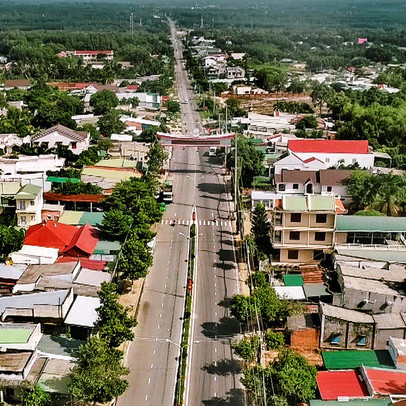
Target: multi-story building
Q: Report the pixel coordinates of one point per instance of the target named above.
(29, 203)
(91, 56)
(303, 228)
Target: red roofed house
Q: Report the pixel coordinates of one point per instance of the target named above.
(335, 384)
(385, 381)
(91, 56)
(70, 240)
(333, 152)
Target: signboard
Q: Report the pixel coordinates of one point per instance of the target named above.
(218, 140)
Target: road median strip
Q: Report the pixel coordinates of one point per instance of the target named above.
(180, 382)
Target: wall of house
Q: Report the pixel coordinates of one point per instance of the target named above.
(55, 138)
(341, 238)
(301, 188)
(308, 220)
(349, 333)
(308, 338)
(305, 256)
(382, 336)
(363, 160)
(307, 238)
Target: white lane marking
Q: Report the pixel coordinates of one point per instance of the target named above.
(146, 397)
(159, 326)
(215, 394)
(160, 315)
(204, 222)
(215, 293)
(152, 365)
(154, 352)
(187, 222)
(200, 222)
(215, 313)
(183, 221)
(221, 223)
(162, 221)
(149, 381)
(225, 223)
(215, 378)
(217, 223)
(162, 305)
(215, 284)
(165, 286)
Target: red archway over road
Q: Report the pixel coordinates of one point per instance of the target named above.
(220, 140)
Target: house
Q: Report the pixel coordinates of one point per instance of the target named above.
(371, 290)
(83, 314)
(75, 141)
(8, 190)
(92, 56)
(293, 162)
(325, 182)
(52, 212)
(372, 231)
(29, 203)
(334, 152)
(246, 90)
(338, 385)
(384, 382)
(147, 100)
(32, 254)
(345, 329)
(35, 306)
(30, 164)
(23, 84)
(397, 351)
(235, 72)
(71, 241)
(304, 330)
(9, 275)
(303, 228)
(19, 336)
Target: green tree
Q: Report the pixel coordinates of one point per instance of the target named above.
(97, 376)
(172, 106)
(307, 122)
(320, 94)
(260, 227)
(156, 158)
(135, 258)
(33, 396)
(250, 161)
(247, 348)
(149, 134)
(103, 101)
(114, 324)
(116, 224)
(271, 78)
(11, 239)
(274, 340)
(110, 123)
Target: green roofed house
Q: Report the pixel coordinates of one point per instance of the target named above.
(7, 192)
(79, 218)
(293, 280)
(58, 179)
(302, 228)
(19, 336)
(354, 359)
(29, 202)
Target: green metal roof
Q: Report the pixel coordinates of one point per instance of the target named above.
(321, 203)
(9, 188)
(255, 140)
(15, 335)
(295, 203)
(309, 203)
(107, 247)
(58, 179)
(375, 254)
(354, 359)
(117, 163)
(293, 280)
(371, 223)
(28, 192)
(81, 217)
(352, 402)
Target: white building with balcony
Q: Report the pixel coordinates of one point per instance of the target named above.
(29, 202)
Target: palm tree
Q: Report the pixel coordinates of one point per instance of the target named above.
(391, 194)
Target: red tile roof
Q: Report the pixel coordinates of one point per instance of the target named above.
(50, 234)
(341, 383)
(105, 52)
(92, 264)
(70, 240)
(55, 197)
(329, 146)
(83, 242)
(386, 382)
(132, 87)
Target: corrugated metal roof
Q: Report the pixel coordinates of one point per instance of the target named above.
(371, 223)
(107, 247)
(309, 203)
(354, 359)
(386, 381)
(373, 253)
(334, 384)
(110, 173)
(83, 311)
(345, 314)
(28, 192)
(81, 217)
(290, 292)
(315, 290)
(9, 188)
(57, 179)
(293, 280)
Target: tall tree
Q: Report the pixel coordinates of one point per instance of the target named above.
(113, 324)
(116, 224)
(103, 101)
(98, 374)
(261, 228)
(156, 158)
(110, 123)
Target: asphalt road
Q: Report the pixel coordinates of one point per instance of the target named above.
(213, 374)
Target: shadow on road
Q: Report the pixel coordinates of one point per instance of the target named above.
(226, 255)
(212, 188)
(186, 171)
(234, 398)
(225, 302)
(227, 327)
(223, 367)
(219, 199)
(223, 266)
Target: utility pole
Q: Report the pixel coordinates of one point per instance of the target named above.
(235, 175)
(140, 22)
(226, 119)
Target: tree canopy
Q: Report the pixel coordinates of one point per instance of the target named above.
(103, 101)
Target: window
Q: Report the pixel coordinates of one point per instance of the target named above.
(354, 160)
(335, 339)
(361, 340)
(294, 235)
(293, 254)
(23, 219)
(309, 188)
(321, 218)
(21, 205)
(296, 186)
(281, 187)
(327, 160)
(32, 218)
(319, 236)
(329, 188)
(74, 145)
(295, 217)
(278, 236)
(32, 203)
